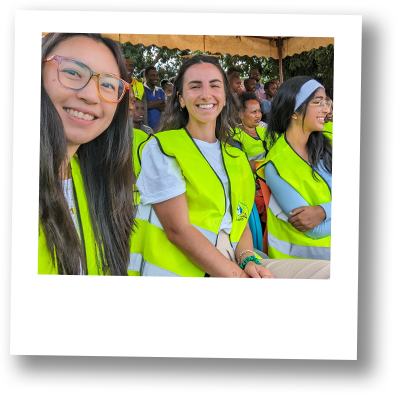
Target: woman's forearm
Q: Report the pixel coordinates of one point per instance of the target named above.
(202, 252)
(245, 243)
(173, 215)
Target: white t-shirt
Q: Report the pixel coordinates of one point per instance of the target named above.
(160, 178)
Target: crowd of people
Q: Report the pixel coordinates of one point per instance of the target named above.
(138, 179)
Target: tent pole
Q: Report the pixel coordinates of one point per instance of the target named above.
(279, 45)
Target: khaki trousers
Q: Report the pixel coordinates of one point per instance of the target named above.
(281, 268)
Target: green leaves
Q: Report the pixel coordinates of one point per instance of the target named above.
(317, 63)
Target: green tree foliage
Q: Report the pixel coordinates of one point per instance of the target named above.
(166, 61)
(317, 63)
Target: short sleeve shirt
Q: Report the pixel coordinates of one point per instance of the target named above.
(154, 115)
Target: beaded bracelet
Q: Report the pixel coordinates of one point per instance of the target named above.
(247, 259)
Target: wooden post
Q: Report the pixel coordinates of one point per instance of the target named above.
(279, 44)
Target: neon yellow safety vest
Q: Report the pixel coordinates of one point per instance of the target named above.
(45, 264)
(284, 241)
(328, 131)
(255, 149)
(139, 137)
(138, 88)
(206, 200)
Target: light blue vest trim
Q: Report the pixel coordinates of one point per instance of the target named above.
(304, 252)
(260, 156)
(149, 269)
(135, 262)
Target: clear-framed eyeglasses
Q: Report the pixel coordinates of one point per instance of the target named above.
(323, 104)
(75, 75)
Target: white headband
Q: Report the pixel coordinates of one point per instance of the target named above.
(306, 90)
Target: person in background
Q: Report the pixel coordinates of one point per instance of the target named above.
(252, 137)
(137, 87)
(298, 170)
(249, 134)
(250, 86)
(270, 89)
(235, 83)
(139, 136)
(168, 87)
(155, 97)
(86, 212)
(259, 89)
(137, 117)
(275, 80)
(232, 71)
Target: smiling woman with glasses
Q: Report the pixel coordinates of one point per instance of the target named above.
(75, 75)
(298, 170)
(86, 211)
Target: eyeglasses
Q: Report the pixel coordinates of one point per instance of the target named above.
(75, 75)
(323, 103)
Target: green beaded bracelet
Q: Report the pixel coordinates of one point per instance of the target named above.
(247, 259)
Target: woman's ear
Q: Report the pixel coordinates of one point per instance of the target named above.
(294, 116)
(181, 101)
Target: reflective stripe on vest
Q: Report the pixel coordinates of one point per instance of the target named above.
(299, 251)
(206, 202)
(137, 263)
(284, 241)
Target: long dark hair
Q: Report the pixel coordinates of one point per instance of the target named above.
(107, 172)
(282, 109)
(175, 118)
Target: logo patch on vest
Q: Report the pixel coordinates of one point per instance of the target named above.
(242, 212)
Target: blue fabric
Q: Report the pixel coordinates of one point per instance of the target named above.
(255, 228)
(254, 218)
(265, 106)
(154, 115)
(289, 199)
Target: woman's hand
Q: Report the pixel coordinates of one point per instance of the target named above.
(306, 218)
(254, 270)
